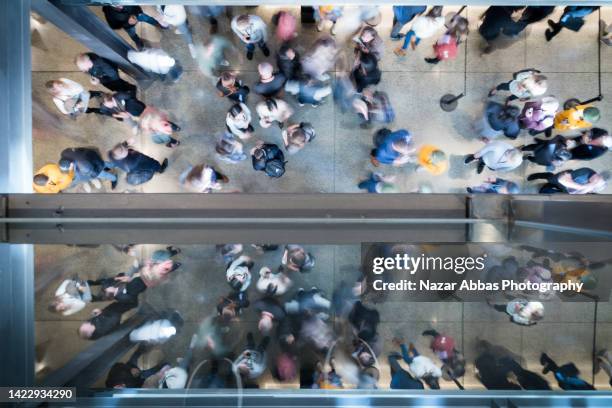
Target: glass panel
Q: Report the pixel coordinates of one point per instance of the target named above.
(576, 65)
(305, 328)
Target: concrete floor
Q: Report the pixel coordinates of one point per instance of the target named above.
(569, 331)
(338, 158)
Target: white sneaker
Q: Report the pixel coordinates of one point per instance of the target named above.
(192, 50)
(87, 187)
(96, 183)
(224, 63)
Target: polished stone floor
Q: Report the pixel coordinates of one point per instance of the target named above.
(338, 159)
(570, 331)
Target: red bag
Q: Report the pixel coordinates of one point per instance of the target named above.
(446, 48)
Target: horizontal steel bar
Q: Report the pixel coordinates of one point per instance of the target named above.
(243, 220)
(563, 228)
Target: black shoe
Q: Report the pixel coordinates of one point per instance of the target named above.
(432, 60)
(173, 143)
(532, 177)
(114, 183)
(164, 165)
(175, 127)
(249, 55)
(480, 167)
(469, 158)
(265, 50)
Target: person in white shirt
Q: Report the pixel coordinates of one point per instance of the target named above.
(273, 110)
(176, 16)
(71, 297)
(424, 26)
(238, 121)
(272, 283)
(69, 96)
(497, 156)
(158, 331)
(202, 179)
(423, 368)
(158, 62)
(252, 31)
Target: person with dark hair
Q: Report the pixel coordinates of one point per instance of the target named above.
(231, 87)
(288, 62)
(296, 259)
(572, 19)
(88, 167)
(444, 348)
(548, 152)
(103, 72)
(366, 72)
(567, 376)
(121, 288)
(251, 363)
(591, 144)
(394, 148)
(538, 116)
(104, 321)
(268, 158)
(373, 107)
(129, 375)
(139, 167)
(230, 306)
(367, 41)
(423, 368)
(400, 378)
(297, 135)
(238, 121)
(121, 106)
(238, 273)
(580, 181)
(126, 17)
(272, 110)
(52, 179)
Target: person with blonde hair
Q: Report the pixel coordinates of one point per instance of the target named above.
(526, 84)
(156, 124)
(69, 96)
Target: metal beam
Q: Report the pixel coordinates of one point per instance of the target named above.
(84, 26)
(17, 317)
(16, 101)
(89, 365)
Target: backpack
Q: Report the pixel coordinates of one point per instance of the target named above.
(446, 49)
(269, 159)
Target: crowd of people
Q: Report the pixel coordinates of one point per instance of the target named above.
(565, 133)
(264, 325)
